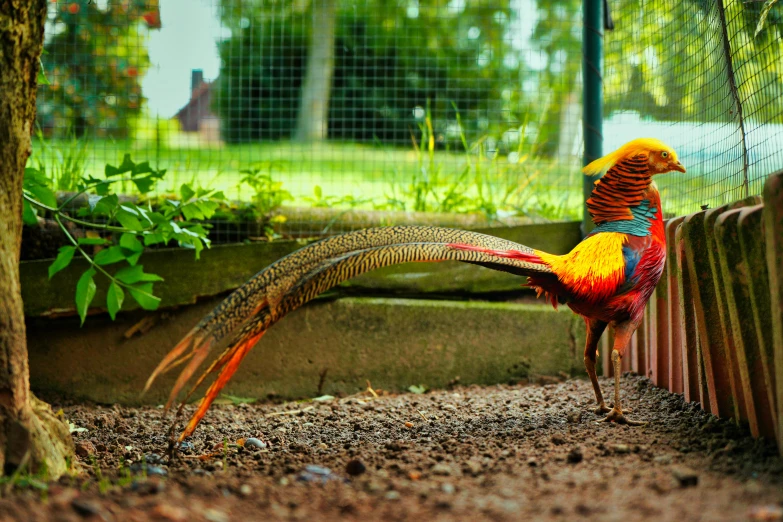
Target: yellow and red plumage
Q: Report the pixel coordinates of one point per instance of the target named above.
(607, 278)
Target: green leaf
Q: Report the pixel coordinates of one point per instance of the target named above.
(207, 207)
(128, 220)
(109, 255)
(144, 184)
(92, 241)
(63, 259)
(107, 205)
(142, 293)
(114, 298)
(44, 195)
(85, 292)
(130, 275)
(131, 242)
(763, 16)
(42, 80)
(192, 211)
(34, 177)
(417, 388)
(141, 168)
(153, 238)
(29, 214)
(185, 192)
(132, 246)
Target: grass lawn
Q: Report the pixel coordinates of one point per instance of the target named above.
(544, 188)
(392, 178)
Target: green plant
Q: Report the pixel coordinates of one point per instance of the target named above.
(269, 194)
(22, 478)
(64, 165)
(318, 200)
(125, 229)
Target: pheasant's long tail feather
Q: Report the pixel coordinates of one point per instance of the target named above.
(229, 365)
(240, 320)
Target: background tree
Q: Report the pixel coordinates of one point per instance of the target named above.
(313, 119)
(95, 60)
(390, 58)
(29, 431)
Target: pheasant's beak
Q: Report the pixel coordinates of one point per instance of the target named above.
(678, 167)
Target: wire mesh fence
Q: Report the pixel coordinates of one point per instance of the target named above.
(696, 74)
(373, 107)
(347, 113)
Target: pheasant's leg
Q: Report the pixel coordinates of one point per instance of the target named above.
(594, 330)
(623, 334)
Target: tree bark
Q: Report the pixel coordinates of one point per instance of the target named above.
(313, 120)
(29, 431)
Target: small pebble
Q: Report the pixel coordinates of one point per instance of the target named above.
(575, 416)
(318, 470)
(766, 513)
(314, 473)
(253, 442)
(148, 469)
(245, 490)
(685, 476)
(186, 446)
(620, 448)
(575, 456)
(474, 467)
(663, 459)
(441, 469)
(408, 424)
(213, 515)
(392, 495)
(152, 458)
(85, 508)
(355, 468)
(532, 462)
(558, 439)
(85, 448)
(448, 489)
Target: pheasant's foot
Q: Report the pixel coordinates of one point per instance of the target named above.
(617, 416)
(602, 408)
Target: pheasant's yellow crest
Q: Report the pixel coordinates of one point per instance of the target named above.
(629, 150)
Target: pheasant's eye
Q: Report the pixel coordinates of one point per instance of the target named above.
(664, 154)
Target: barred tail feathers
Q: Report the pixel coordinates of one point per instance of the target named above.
(240, 320)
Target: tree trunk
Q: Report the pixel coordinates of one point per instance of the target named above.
(313, 120)
(29, 431)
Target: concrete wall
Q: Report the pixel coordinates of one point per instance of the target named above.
(392, 342)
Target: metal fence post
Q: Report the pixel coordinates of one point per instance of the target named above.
(593, 96)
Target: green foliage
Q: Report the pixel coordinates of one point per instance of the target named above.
(269, 195)
(768, 5)
(68, 161)
(125, 230)
(418, 389)
(95, 60)
(667, 69)
(319, 200)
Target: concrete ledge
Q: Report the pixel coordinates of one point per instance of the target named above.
(392, 342)
(224, 268)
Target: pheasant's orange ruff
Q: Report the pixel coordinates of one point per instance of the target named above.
(594, 269)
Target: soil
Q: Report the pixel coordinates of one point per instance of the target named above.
(499, 452)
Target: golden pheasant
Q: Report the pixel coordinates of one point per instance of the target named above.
(607, 278)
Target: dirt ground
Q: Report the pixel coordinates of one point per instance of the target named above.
(500, 453)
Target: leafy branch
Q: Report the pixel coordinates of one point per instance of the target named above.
(124, 229)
